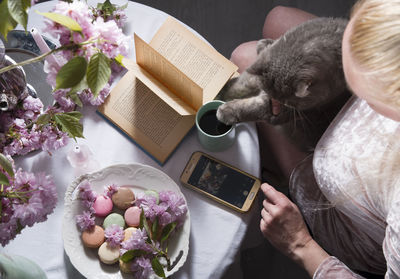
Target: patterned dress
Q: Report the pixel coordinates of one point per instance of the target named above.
(349, 193)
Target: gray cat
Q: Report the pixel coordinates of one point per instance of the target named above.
(296, 82)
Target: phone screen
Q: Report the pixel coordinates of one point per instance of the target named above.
(221, 181)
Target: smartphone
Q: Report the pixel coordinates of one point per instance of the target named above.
(220, 181)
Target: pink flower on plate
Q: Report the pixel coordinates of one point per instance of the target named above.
(111, 189)
(136, 241)
(141, 267)
(114, 235)
(85, 221)
(87, 196)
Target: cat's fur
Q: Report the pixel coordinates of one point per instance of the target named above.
(302, 70)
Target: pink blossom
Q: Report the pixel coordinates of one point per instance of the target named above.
(113, 41)
(53, 138)
(106, 36)
(61, 98)
(29, 213)
(137, 241)
(86, 96)
(176, 207)
(27, 200)
(171, 207)
(141, 267)
(8, 231)
(85, 221)
(111, 189)
(86, 195)
(114, 235)
(149, 205)
(47, 191)
(33, 104)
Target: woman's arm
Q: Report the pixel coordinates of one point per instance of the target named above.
(283, 225)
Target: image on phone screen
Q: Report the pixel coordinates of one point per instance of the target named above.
(221, 181)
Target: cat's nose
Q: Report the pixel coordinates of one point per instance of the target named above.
(276, 107)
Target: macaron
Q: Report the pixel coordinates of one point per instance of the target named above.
(107, 254)
(102, 205)
(125, 267)
(93, 237)
(132, 216)
(114, 218)
(128, 232)
(123, 198)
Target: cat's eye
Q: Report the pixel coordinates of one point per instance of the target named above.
(302, 89)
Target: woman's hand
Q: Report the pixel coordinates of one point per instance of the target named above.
(283, 225)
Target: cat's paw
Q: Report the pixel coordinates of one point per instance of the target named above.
(262, 44)
(226, 114)
(226, 93)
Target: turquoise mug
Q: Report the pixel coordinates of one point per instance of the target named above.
(211, 141)
(19, 267)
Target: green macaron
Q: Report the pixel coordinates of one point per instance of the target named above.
(114, 218)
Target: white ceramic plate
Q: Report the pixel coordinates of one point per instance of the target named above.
(85, 260)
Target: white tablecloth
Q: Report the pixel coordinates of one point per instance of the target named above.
(216, 231)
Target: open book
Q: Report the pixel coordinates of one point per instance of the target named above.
(155, 103)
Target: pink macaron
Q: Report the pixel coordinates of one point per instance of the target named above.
(102, 205)
(132, 216)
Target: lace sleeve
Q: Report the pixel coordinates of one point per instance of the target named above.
(332, 268)
(391, 243)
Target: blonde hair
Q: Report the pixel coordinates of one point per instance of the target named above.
(375, 43)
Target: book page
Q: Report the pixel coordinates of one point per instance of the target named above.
(166, 73)
(145, 117)
(194, 57)
(158, 88)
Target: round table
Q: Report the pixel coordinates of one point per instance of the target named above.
(216, 231)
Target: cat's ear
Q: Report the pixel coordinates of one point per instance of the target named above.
(302, 89)
(263, 44)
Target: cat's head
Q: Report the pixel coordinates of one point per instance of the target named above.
(301, 74)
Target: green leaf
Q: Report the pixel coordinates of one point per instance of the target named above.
(131, 254)
(74, 97)
(69, 124)
(154, 227)
(66, 21)
(98, 72)
(18, 9)
(123, 7)
(157, 267)
(6, 165)
(118, 59)
(43, 119)
(167, 231)
(7, 23)
(82, 85)
(4, 180)
(107, 9)
(74, 114)
(72, 73)
(145, 225)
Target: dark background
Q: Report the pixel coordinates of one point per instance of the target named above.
(227, 23)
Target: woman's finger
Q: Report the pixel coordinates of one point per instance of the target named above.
(272, 195)
(266, 216)
(263, 226)
(270, 208)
